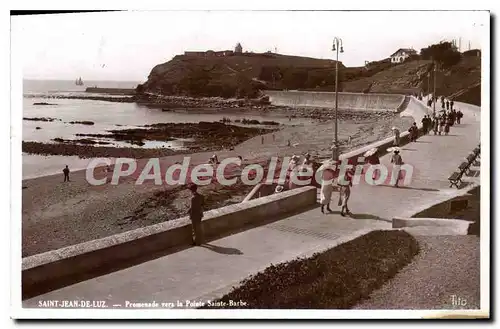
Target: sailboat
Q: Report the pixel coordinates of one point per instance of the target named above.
(79, 82)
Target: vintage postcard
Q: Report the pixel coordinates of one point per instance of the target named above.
(228, 164)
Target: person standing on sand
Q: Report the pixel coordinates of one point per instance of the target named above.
(196, 215)
(66, 173)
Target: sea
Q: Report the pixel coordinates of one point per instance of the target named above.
(105, 115)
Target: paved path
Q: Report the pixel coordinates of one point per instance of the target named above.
(444, 275)
(201, 273)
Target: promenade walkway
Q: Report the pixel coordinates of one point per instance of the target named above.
(201, 273)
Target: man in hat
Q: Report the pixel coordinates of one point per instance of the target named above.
(397, 161)
(196, 214)
(345, 192)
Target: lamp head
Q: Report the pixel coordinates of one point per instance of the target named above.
(341, 49)
(333, 48)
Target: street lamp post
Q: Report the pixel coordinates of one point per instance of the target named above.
(337, 46)
(434, 93)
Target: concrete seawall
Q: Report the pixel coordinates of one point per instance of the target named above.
(111, 91)
(351, 101)
(58, 268)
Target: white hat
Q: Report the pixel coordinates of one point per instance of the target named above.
(394, 128)
(371, 152)
(394, 149)
(279, 188)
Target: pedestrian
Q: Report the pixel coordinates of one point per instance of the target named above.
(413, 132)
(328, 169)
(288, 144)
(424, 124)
(452, 117)
(262, 140)
(66, 173)
(459, 116)
(396, 136)
(345, 192)
(447, 104)
(435, 125)
(274, 138)
(397, 161)
(442, 122)
(447, 126)
(451, 104)
(196, 215)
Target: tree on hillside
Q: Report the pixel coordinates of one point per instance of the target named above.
(445, 53)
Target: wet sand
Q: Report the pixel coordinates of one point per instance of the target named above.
(57, 214)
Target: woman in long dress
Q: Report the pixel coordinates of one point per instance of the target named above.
(327, 185)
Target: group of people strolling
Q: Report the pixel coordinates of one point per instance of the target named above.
(441, 123)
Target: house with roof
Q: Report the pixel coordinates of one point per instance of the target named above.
(402, 54)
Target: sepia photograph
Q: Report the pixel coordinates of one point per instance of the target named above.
(232, 164)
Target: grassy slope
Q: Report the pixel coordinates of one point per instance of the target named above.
(338, 278)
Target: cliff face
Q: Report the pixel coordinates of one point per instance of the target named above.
(237, 75)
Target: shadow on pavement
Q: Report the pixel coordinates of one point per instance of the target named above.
(409, 149)
(222, 250)
(369, 216)
(410, 188)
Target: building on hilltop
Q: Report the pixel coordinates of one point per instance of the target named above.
(238, 49)
(209, 53)
(402, 54)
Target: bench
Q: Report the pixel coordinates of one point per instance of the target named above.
(471, 159)
(465, 167)
(455, 179)
(477, 152)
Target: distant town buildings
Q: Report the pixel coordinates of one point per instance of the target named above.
(238, 49)
(210, 53)
(402, 54)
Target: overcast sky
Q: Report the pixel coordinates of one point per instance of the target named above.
(127, 45)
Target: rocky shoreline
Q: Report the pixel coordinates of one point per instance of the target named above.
(204, 136)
